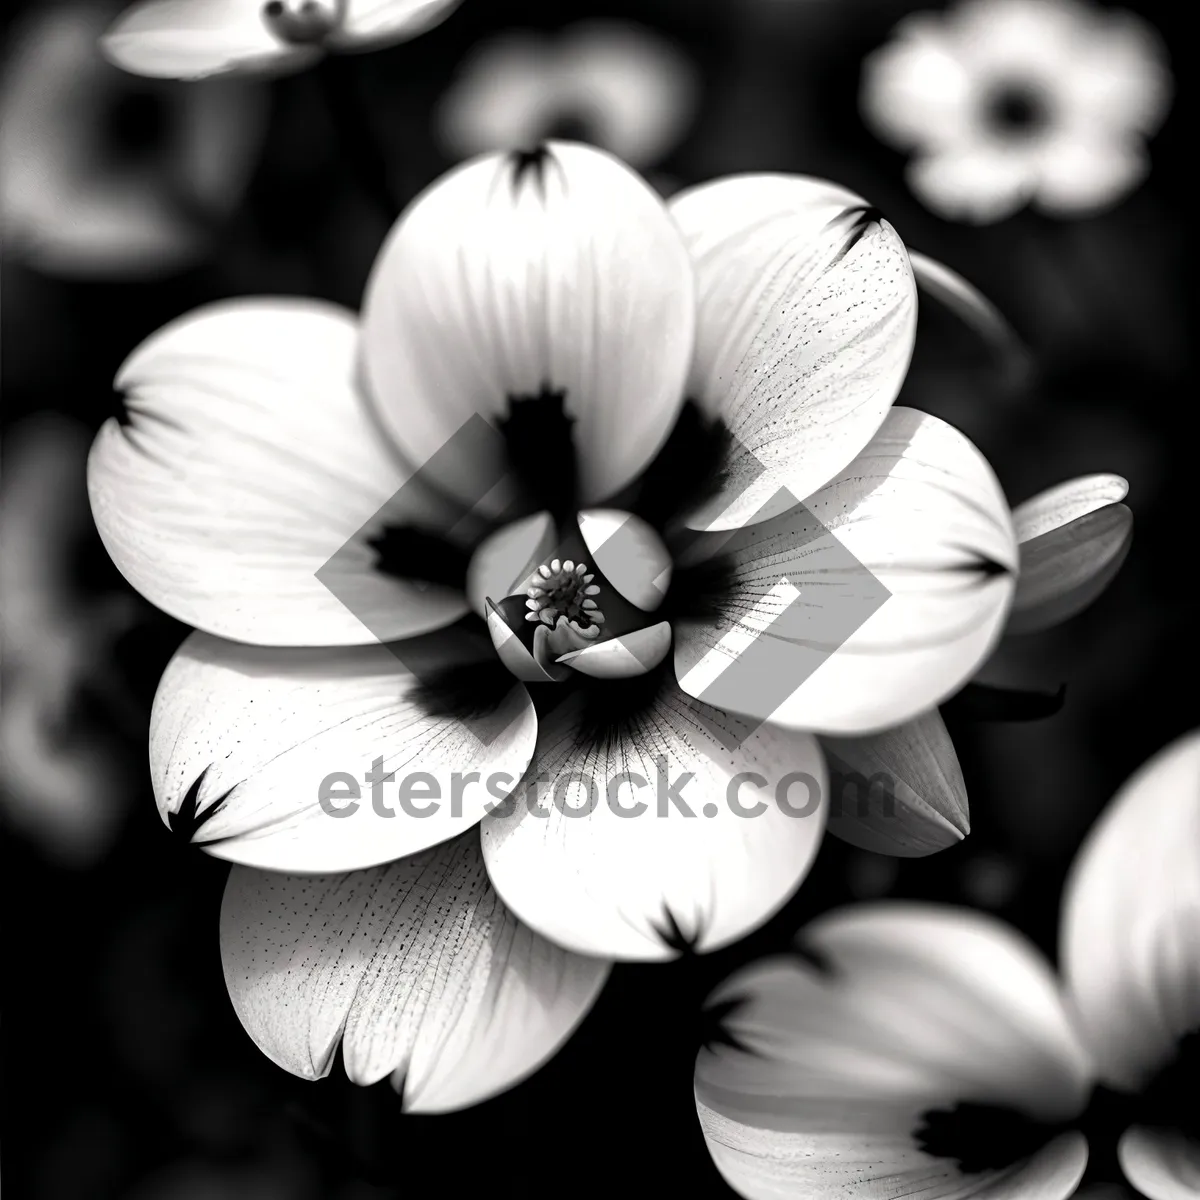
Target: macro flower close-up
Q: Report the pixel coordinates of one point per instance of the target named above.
(575, 576)
(923, 1050)
(1004, 103)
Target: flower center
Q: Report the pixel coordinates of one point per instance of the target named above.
(303, 22)
(563, 590)
(1016, 109)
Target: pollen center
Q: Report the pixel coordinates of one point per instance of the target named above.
(303, 22)
(564, 590)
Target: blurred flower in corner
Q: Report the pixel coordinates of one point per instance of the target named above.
(105, 176)
(918, 1049)
(611, 83)
(62, 783)
(193, 39)
(1010, 102)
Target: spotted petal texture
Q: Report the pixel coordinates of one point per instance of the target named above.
(416, 968)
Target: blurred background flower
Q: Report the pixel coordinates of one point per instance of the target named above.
(1006, 102)
(61, 781)
(615, 84)
(104, 175)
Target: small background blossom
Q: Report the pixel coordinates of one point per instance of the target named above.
(1008, 102)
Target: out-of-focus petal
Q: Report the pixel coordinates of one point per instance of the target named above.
(107, 176)
(632, 93)
(916, 90)
(807, 317)
(663, 834)
(973, 183)
(638, 88)
(192, 39)
(898, 792)
(1131, 919)
(247, 465)
(555, 274)
(1163, 1164)
(1080, 172)
(322, 760)
(831, 1060)
(416, 968)
(371, 24)
(1073, 539)
(871, 602)
(1119, 78)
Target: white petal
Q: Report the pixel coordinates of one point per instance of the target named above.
(1066, 502)
(1081, 172)
(870, 603)
(922, 1008)
(1161, 1163)
(415, 967)
(377, 23)
(533, 667)
(807, 317)
(575, 856)
(1131, 919)
(1081, 546)
(629, 553)
(898, 792)
(1118, 78)
(504, 560)
(972, 182)
(248, 464)
(623, 657)
(512, 278)
(270, 750)
(190, 39)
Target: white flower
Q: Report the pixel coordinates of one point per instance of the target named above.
(101, 175)
(918, 1050)
(1009, 102)
(612, 83)
(514, 386)
(192, 39)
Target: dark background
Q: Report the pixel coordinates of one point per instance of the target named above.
(127, 1073)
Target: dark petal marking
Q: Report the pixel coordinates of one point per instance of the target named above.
(689, 471)
(541, 450)
(714, 1029)
(406, 552)
(982, 702)
(187, 820)
(673, 936)
(531, 162)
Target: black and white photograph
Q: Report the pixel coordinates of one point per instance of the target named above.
(597, 600)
